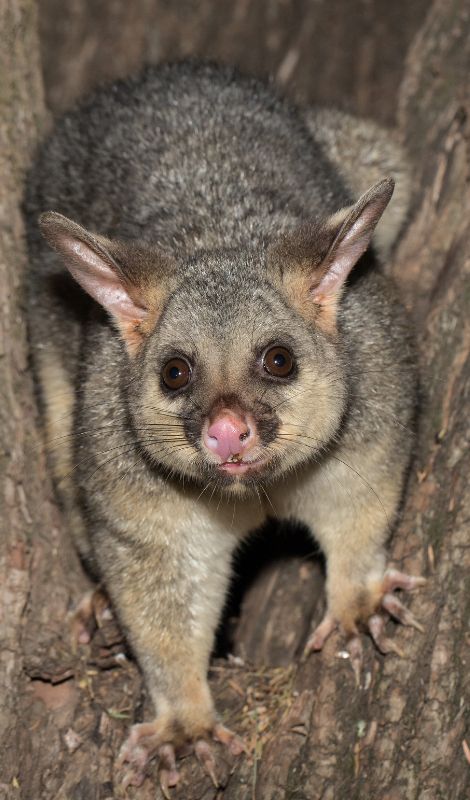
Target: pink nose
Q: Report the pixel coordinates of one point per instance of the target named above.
(229, 435)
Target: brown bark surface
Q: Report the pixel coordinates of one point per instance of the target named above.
(350, 52)
(312, 734)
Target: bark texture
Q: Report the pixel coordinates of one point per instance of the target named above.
(38, 568)
(350, 52)
(312, 734)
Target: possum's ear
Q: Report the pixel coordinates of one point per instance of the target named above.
(354, 228)
(117, 275)
(316, 259)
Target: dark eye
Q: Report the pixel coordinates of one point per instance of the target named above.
(176, 373)
(278, 361)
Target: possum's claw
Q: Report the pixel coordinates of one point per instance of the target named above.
(399, 612)
(381, 599)
(376, 626)
(205, 756)
(168, 772)
(154, 739)
(88, 615)
(356, 654)
(229, 739)
(393, 579)
(321, 633)
(137, 758)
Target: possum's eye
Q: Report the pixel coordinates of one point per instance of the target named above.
(176, 373)
(278, 362)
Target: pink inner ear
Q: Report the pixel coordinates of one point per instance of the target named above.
(344, 255)
(99, 279)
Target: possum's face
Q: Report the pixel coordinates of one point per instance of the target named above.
(235, 358)
(235, 387)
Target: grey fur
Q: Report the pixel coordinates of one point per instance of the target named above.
(200, 174)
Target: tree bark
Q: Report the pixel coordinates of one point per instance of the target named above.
(311, 733)
(38, 567)
(349, 52)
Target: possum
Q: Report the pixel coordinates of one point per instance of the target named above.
(215, 342)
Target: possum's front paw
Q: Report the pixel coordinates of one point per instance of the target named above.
(365, 606)
(166, 738)
(90, 613)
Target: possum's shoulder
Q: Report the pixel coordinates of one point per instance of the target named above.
(375, 326)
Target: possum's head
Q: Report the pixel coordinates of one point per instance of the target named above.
(234, 370)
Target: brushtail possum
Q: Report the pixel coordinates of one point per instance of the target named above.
(215, 343)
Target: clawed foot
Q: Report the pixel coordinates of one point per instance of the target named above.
(92, 611)
(374, 622)
(154, 739)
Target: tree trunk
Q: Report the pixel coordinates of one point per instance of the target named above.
(38, 567)
(312, 734)
(349, 52)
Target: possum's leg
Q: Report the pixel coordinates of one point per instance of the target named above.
(167, 575)
(350, 504)
(363, 153)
